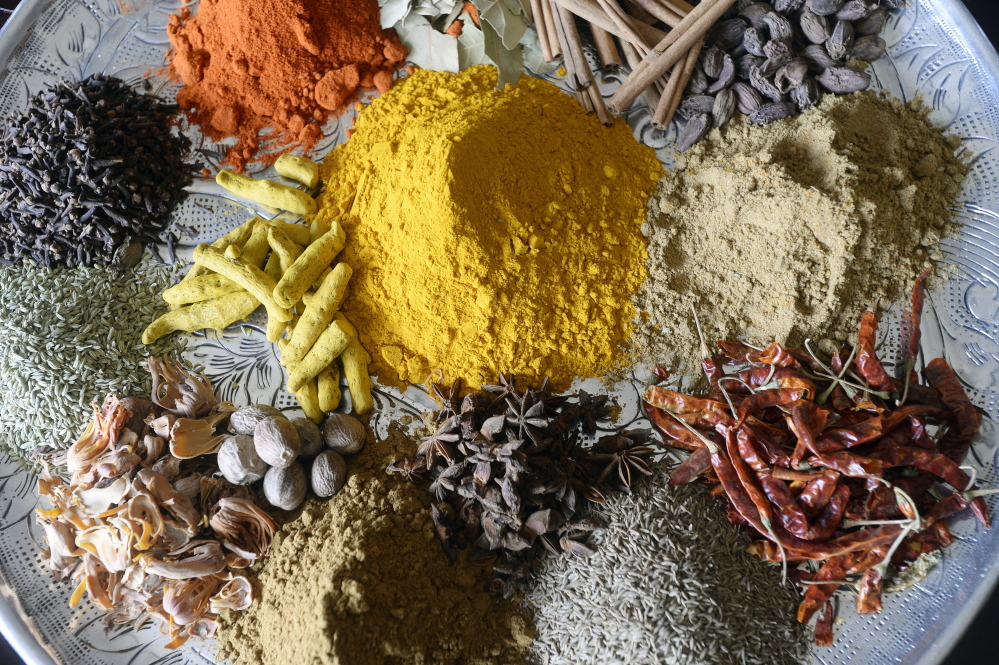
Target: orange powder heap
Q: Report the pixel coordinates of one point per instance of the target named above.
(277, 69)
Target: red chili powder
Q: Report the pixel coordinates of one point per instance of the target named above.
(277, 69)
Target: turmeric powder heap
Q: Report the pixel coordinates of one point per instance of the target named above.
(491, 230)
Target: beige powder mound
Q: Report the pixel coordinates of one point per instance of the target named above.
(362, 579)
(791, 230)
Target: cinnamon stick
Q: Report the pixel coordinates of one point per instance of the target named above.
(572, 48)
(661, 12)
(621, 20)
(610, 59)
(669, 51)
(539, 25)
(675, 87)
(549, 27)
(590, 10)
(679, 6)
(653, 92)
(635, 11)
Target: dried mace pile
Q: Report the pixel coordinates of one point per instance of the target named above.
(510, 476)
(88, 173)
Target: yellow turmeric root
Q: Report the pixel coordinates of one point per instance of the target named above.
(308, 399)
(216, 314)
(267, 192)
(328, 382)
(355, 367)
(298, 169)
(310, 265)
(319, 312)
(247, 275)
(334, 340)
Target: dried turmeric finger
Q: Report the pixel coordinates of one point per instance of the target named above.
(286, 250)
(254, 251)
(300, 234)
(238, 236)
(308, 399)
(328, 382)
(247, 275)
(327, 348)
(355, 367)
(201, 288)
(299, 169)
(319, 280)
(217, 314)
(312, 262)
(267, 192)
(318, 314)
(273, 267)
(321, 223)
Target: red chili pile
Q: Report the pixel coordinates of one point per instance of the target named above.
(837, 463)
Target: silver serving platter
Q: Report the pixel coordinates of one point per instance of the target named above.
(935, 49)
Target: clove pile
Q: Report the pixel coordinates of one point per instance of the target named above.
(771, 60)
(89, 172)
(510, 475)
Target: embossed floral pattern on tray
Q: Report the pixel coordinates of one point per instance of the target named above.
(935, 50)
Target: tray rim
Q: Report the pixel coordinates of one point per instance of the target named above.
(18, 630)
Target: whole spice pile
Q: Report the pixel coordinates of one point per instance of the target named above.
(70, 337)
(791, 230)
(275, 70)
(89, 172)
(361, 579)
(837, 463)
(671, 582)
(490, 229)
(509, 474)
(143, 524)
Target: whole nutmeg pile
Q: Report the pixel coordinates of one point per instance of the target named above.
(289, 456)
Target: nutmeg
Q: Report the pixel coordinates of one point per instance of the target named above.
(245, 419)
(310, 436)
(239, 462)
(286, 488)
(276, 441)
(343, 433)
(329, 472)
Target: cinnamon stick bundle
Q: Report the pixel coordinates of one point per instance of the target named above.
(577, 67)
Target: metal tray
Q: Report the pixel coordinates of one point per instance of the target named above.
(935, 49)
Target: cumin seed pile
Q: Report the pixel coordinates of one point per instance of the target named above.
(671, 582)
(791, 230)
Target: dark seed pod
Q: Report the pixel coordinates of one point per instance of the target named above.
(874, 23)
(895, 4)
(780, 27)
(791, 75)
(818, 59)
(806, 96)
(747, 99)
(773, 65)
(754, 13)
(698, 81)
(841, 41)
(696, 129)
(711, 61)
(825, 7)
(786, 7)
(768, 89)
(772, 112)
(777, 49)
(728, 34)
(815, 27)
(855, 10)
(727, 76)
(868, 48)
(752, 43)
(843, 80)
(724, 108)
(696, 105)
(745, 64)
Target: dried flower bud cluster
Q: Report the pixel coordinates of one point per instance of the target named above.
(510, 474)
(774, 58)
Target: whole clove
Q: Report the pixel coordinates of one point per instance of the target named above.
(89, 173)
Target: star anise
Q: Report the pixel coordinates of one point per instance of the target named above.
(449, 398)
(528, 418)
(591, 409)
(411, 468)
(446, 480)
(444, 520)
(504, 389)
(623, 454)
(437, 445)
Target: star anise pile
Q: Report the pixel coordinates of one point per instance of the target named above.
(510, 475)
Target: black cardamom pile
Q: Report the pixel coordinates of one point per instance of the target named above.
(773, 59)
(89, 173)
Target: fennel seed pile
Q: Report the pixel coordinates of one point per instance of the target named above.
(70, 336)
(671, 582)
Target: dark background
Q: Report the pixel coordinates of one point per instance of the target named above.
(978, 645)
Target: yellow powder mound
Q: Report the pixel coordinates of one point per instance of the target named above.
(490, 230)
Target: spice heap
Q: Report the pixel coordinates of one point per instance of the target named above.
(70, 337)
(838, 462)
(671, 582)
(130, 525)
(490, 229)
(791, 230)
(89, 172)
(282, 65)
(509, 473)
(361, 579)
